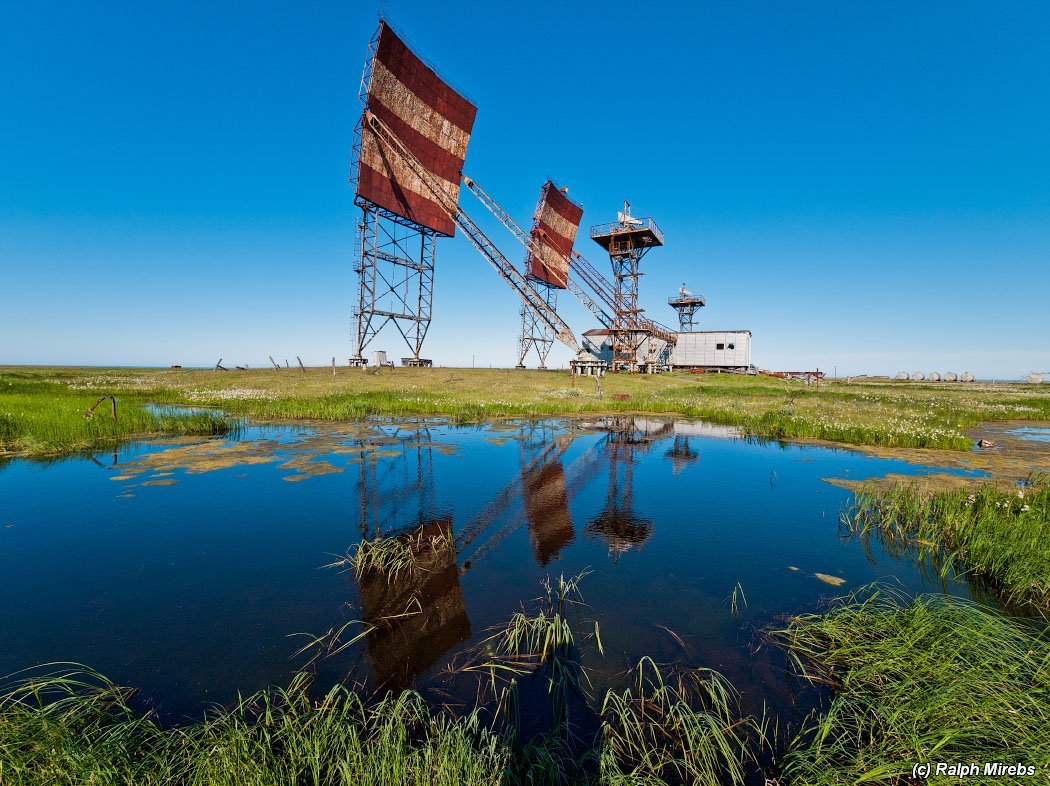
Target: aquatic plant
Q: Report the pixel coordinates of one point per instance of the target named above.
(925, 680)
(64, 724)
(736, 598)
(395, 554)
(685, 730)
(531, 643)
(998, 534)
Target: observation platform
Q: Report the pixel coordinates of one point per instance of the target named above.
(688, 301)
(638, 232)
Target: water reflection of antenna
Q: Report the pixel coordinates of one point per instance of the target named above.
(387, 484)
(545, 486)
(618, 524)
(681, 453)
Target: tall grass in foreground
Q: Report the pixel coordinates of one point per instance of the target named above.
(685, 727)
(1001, 535)
(39, 418)
(933, 679)
(75, 728)
(72, 726)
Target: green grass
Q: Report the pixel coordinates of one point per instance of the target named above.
(39, 417)
(685, 730)
(393, 555)
(71, 726)
(930, 680)
(1002, 535)
(75, 727)
(866, 413)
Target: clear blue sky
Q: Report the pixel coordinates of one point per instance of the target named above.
(864, 185)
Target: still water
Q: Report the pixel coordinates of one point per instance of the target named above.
(187, 568)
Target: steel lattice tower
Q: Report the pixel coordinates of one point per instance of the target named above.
(534, 331)
(627, 240)
(686, 305)
(396, 280)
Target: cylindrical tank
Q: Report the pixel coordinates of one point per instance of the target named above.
(1035, 379)
(967, 377)
(918, 376)
(935, 376)
(902, 375)
(951, 376)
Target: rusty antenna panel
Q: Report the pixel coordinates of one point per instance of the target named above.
(555, 223)
(402, 214)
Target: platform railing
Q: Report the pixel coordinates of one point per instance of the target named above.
(636, 225)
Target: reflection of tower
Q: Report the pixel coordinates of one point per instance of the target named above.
(618, 524)
(547, 511)
(388, 485)
(546, 498)
(627, 240)
(545, 487)
(681, 453)
(417, 613)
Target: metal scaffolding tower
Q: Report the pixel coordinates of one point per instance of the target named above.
(686, 304)
(627, 240)
(534, 331)
(396, 280)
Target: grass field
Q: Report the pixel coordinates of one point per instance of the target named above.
(887, 413)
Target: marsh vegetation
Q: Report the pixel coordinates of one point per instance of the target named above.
(893, 414)
(998, 534)
(928, 679)
(40, 416)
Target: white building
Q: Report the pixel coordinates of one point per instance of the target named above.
(706, 349)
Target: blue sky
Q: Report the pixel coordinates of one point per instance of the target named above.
(862, 185)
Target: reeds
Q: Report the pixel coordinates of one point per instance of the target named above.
(931, 679)
(393, 555)
(685, 730)
(73, 727)
(543, 643)
(996, 534)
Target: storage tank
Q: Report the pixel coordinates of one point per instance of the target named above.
(967, 377)
(935, 377)
(918, 376)
(951, 376)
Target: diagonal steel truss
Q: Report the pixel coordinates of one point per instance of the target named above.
(616, 297)
(514, 278)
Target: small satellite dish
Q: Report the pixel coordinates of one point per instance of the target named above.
(683, 291)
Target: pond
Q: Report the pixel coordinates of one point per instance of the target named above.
(187, 567)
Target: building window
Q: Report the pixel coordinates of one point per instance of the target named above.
(732, 346)
(720, 346)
